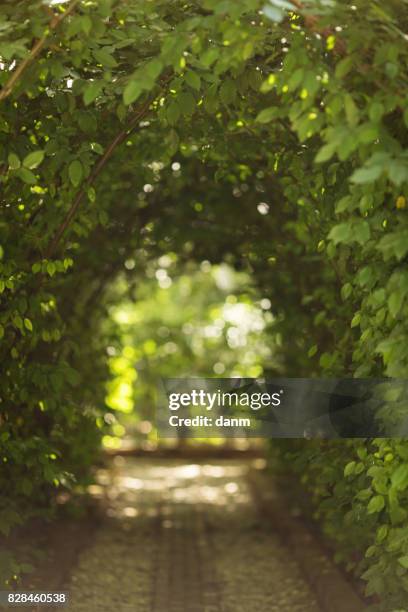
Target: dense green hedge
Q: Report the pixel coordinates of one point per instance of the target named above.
(301, 106)
(359, 491)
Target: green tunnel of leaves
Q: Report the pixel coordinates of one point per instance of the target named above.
(298, 112)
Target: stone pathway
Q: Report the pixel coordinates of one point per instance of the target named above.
(185, 537)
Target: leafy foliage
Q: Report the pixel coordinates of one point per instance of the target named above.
(272, 137)
(360, 493)
(195, 321)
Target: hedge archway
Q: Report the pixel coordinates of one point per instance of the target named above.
(271, 136)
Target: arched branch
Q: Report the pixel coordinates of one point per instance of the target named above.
(118, 140)
(35, 51)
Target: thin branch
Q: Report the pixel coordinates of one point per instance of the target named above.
(121, 137)
(36, 50)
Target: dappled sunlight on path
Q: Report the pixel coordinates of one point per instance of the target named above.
(185, 537)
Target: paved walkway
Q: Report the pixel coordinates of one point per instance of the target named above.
(185, 537)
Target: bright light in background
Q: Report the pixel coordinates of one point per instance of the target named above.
(208, 322)
(224, 277)
(219, 368)
(245, 317)
(130, 264)
(165, 261)
(163, 278)
(263, 208)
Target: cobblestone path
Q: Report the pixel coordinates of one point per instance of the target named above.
(185, 537)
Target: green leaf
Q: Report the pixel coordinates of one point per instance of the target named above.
(86, 23)
(370, 552)
(51, 268)
(28, 325)
(351, 109)
(105, 58)
(366, 276)
(399, 478)
(296, 79)
(361, 231)
(228, 92)
(346, 291)
(33, 159)
(395, 301)
(27, 176)
(343, 67)
(173, 113)
(382, 533)
(325, 153)
(92, 91)
(398, 171)
(394, 244)
(350, 468)
(209, 57)
(340, 233)
(403, 561)
(13, 161)
(376, 111)
(18, 322)
(132, 92)
(97, 148)
(187, 103)
(193, 80)
(367, 174)
(152, 69)
(87, 122)
(376, 504)
(355, 320)
(326, 360)
(266, 115)
(364, 494)
(345, 203)
(366, 203)
(367, 133)
(312, 351)
(91, 194)
(75, 172)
